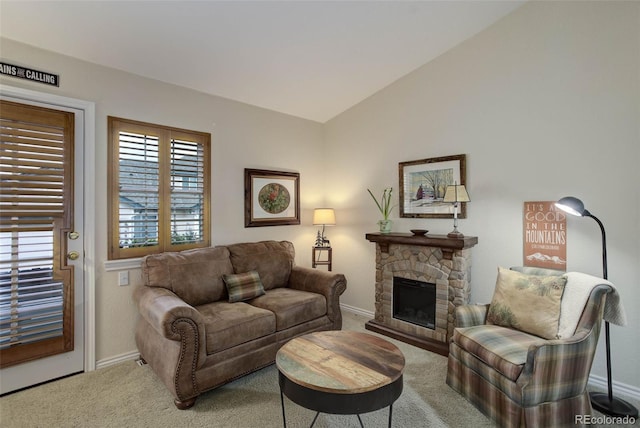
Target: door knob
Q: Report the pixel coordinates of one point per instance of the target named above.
(74, 235)
(73, 255)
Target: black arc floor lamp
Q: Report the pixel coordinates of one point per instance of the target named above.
(604, 403)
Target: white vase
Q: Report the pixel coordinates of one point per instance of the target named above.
(385, 226)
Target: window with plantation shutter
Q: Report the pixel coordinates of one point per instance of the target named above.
(36, 304)
(159, 189)
(187, 192)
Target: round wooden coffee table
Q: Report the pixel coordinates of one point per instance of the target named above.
(340, 372)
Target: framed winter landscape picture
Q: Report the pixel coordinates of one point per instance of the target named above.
(424, 182)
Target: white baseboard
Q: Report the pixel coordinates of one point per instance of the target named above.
(356, 311)
(134, 355)
(620, 389)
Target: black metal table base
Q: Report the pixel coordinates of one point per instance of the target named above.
(339, 404)
(284, 416)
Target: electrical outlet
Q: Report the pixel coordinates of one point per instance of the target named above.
(123, 278)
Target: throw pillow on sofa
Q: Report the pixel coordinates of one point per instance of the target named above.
(529, 303)
(271, 259)
(243, 286)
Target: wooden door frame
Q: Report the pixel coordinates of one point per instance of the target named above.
(88, 108)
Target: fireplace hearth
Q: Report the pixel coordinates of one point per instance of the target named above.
(441, 262)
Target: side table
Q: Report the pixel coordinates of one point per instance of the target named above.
(317, 259)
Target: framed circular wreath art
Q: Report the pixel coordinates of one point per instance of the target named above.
(271, 198)
(274, 198)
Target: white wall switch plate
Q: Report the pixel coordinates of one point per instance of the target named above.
(123, 278)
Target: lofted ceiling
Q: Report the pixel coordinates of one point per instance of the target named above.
(310, 59)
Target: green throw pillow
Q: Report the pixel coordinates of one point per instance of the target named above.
(243, 286)
(529, 303)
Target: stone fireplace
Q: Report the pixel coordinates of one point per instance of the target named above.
(425, 262)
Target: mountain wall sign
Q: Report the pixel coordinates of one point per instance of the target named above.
(29, 74)
(545, 235)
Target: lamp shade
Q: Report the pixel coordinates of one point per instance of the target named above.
(324, 216)
(456, 193)
(571, 205)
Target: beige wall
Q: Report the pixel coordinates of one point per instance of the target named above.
(243, 136)
(545, 104)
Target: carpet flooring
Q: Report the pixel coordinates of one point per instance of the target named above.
(129, 395)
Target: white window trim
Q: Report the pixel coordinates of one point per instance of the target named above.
(122, 264)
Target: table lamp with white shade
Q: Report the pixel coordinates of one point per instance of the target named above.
(455, 194)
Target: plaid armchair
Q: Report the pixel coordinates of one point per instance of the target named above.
(521, 380)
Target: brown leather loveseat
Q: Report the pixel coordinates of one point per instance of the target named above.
(195, 339)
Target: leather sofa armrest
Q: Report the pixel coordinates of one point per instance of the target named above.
(165, 312)
(330, 285)
(179, 348)
(471, 315)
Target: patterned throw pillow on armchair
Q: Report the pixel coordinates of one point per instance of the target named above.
(529, 303)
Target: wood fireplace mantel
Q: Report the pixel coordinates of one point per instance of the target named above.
(447, 244)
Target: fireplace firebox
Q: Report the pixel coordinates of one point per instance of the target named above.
(414, 301)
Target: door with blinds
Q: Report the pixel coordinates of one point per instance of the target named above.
(41, 245)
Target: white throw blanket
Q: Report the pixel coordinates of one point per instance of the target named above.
(575, 296)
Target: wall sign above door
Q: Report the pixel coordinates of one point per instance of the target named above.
(29, 74)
